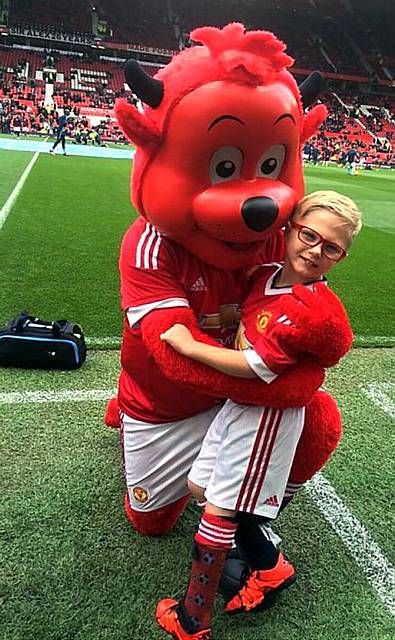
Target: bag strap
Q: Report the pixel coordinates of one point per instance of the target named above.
(60, 326)
(65, 326)
(18, 322)
(56, 328)
(21, 322)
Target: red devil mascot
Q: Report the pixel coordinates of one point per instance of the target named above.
(216, 176)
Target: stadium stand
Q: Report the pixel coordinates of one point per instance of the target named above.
(68, 54)
(70, 16)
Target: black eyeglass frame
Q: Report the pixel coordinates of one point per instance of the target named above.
(321, 240)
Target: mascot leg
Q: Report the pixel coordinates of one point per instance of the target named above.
(159, 521)
(156, 460)
(320, 436)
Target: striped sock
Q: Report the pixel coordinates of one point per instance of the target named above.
(213, 540)
(216, 531)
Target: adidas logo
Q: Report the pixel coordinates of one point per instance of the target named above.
(272, 501)
(199, 285)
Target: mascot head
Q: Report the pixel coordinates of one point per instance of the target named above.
(218, 164)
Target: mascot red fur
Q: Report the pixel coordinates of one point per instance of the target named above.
(216, 176)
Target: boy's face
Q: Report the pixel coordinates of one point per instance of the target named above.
(310, 263)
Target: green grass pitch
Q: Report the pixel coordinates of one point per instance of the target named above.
(72, 568)
(59, 248)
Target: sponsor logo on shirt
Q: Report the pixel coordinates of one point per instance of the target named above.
(262, 320)
(227, 317)
(241, 341)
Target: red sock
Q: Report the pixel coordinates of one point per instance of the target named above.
(212, 543)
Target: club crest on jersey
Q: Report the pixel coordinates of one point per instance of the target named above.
(262, 320)
(140, 494)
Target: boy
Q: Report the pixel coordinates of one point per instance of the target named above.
(246, 456)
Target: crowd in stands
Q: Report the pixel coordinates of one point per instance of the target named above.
(69, 16)
(332, 36)
(319, 34)
(29, 117)
(324, 149)
(331, 145)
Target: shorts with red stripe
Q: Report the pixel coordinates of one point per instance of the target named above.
(246, 457)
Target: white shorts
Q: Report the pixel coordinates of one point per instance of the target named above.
(158, 457)
(246, 457)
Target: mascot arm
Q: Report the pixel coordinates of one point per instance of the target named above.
(320, 325)
(295, 387)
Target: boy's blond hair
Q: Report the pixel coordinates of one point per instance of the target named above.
(340, 205)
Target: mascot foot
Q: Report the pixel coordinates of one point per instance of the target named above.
(111, 418)
(157, 522)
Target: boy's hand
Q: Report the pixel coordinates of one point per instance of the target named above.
(320, 324)
(179, 338)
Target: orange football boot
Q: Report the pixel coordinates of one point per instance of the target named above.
(259, 584)
(167, 617)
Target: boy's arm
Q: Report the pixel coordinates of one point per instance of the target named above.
(293, 388)
(228, 361)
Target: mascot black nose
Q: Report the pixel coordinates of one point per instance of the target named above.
(259, 212)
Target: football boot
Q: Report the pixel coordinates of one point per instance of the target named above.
(261, 586)
(167, 617)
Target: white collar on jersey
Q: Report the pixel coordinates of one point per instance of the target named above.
(270, 290)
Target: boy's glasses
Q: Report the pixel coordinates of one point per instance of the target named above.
(312, 238)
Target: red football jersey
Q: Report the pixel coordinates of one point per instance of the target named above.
(158, 273)
(261, 313)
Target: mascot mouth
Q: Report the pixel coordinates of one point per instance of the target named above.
(234, 246)
(241, 246)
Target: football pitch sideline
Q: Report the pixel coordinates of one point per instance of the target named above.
(72, 566)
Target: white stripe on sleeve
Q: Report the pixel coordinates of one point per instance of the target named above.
(140, 245)
(136, 314)
(259, 366)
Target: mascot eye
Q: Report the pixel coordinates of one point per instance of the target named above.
(271, 162)
(225, 164)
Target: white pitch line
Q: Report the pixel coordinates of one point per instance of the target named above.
(365, 552)
(373, 341)
(103, 341)
(16, 191)
(379, 393)
(99, 342)
(24, 397)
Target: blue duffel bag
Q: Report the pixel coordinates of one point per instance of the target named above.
(27, 341)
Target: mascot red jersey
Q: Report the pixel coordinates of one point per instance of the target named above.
(216, 176)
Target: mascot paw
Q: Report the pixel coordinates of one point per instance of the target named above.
(111, 418)
(319, 324)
